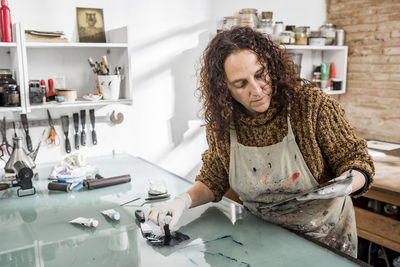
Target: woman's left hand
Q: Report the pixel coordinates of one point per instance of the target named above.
(342, 186)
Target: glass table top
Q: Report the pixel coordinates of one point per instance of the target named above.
(35, 229)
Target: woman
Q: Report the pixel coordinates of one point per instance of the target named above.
(272, 135)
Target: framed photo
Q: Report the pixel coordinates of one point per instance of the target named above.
(90, 25)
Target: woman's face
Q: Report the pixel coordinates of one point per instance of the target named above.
(244, 79)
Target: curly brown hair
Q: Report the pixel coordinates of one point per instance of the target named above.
(218, 103)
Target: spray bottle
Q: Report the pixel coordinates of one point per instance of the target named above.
(5, 22)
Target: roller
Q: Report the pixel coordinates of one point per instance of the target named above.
(99, 183)
(55, 186)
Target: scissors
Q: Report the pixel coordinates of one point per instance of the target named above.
(53, 137)
(5, 147)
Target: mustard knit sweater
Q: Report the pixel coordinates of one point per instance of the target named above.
(325, 138)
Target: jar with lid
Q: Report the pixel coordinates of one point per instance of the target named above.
(286, 37)
(230, 22)
(11, 95)
(300, 34)
(248, 17)
(266, 27)
(278, 28)
(329, 32)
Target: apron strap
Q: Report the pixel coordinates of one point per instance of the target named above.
(290, 131)
(233, 135)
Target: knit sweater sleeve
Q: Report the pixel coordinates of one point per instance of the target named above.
(341, 147)
(214, 172)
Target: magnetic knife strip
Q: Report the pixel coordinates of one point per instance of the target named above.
(45, 122)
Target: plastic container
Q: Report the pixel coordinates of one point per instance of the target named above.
(317, 41)
(278, 28)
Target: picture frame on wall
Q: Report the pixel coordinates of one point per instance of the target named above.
(90, 25)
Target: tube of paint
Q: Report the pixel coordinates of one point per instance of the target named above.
(112, 214)
(88, 222)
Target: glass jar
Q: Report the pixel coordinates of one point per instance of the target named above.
(266, 27)
(230, 22)
(300, 34)
(11, 95)
(248, 17)
(286, 37)
(329, 32)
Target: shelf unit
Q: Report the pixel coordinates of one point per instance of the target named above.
(11, 58)
(314, 55)
(43, 61)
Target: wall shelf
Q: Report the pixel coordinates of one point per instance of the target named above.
(8, 44)
(76, 45)
(313, 56)
(81, 103)
(43, 61)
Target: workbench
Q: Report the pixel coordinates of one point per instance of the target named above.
(386, 188)
(35, 230)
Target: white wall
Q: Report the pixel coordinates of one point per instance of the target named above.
(166, 40)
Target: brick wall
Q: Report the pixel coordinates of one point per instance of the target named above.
(372, 33)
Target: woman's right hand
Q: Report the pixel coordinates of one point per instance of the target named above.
(173, 208)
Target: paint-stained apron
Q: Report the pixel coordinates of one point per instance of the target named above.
(261, 175)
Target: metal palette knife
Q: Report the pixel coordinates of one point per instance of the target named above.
(25, 124)
(65, 127)
(76, 127)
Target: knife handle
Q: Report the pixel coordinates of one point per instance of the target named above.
(83, 138)
(139, 214)
(67, 145)
(94, 137)
(29, 143)
(76, 141)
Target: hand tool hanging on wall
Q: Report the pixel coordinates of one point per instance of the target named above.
(15, 131)
(92, 123)
(76, 127)
(5, 147)
(25, 124)
(83, 122)
(53, 136)
(65, 127)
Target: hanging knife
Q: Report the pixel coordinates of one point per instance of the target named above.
(25, 124)
(92, 122)
(76, 126)
(65, 127)
(83, 122)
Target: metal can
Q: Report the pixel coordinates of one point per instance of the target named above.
(339, 37)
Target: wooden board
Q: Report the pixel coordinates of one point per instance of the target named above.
(377, 228)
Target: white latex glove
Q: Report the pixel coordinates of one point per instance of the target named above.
(342, 187)
(173, 208)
